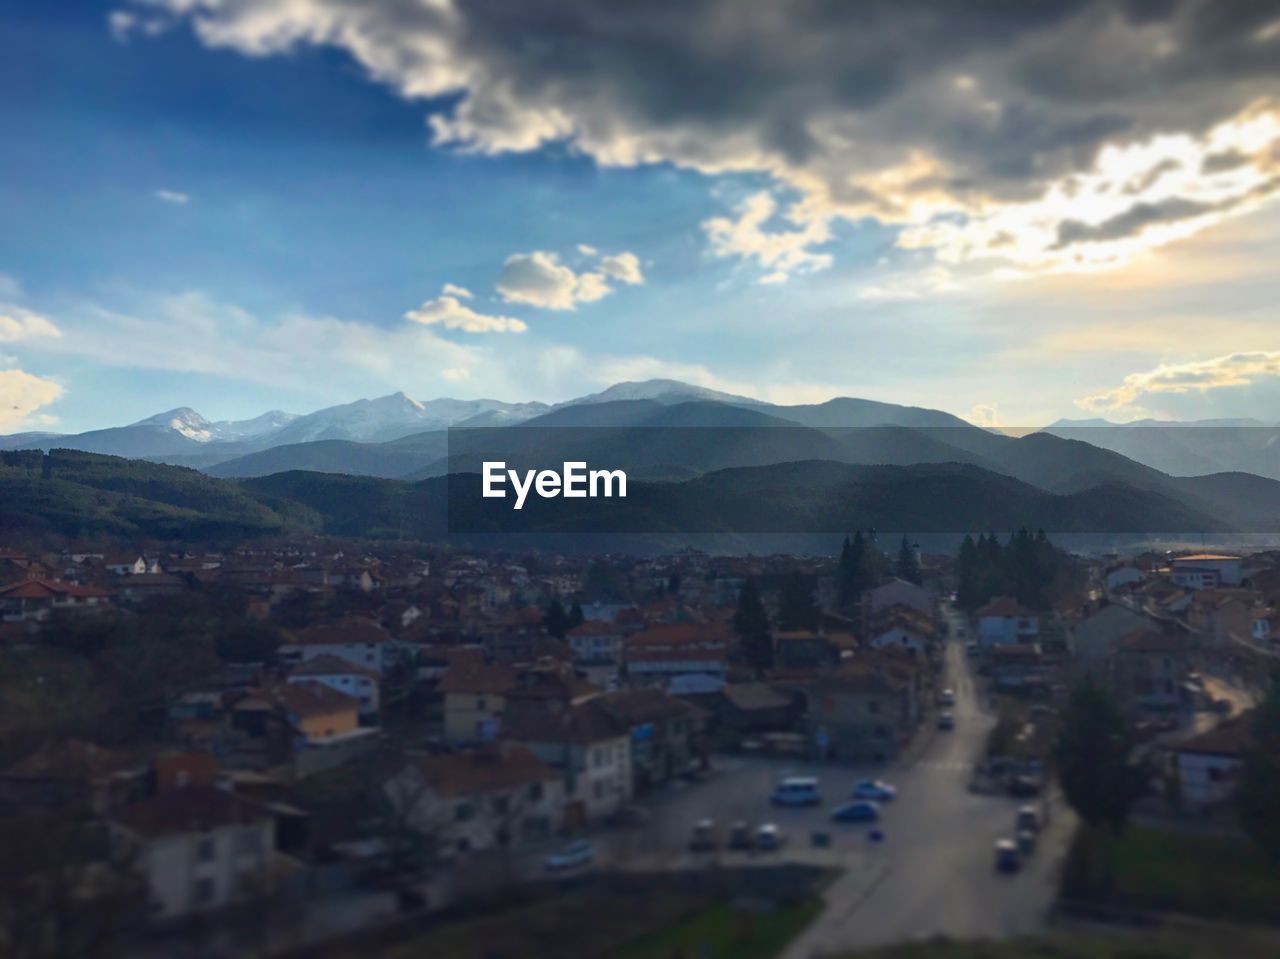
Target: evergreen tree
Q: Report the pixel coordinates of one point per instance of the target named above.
(854, 573)
(967, 574)
(556, 620)
(905, 566)
(1093, 757)
(751, 623)
(1258, 792)
(576, 617)
(797, 604)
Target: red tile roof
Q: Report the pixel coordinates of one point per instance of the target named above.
(190, 810)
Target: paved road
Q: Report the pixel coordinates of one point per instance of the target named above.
(933, 874)
(936, 875)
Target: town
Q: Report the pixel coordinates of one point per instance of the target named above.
(305, 746)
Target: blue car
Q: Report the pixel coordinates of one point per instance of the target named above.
(863, 811)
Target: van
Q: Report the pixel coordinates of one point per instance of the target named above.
(797, 791)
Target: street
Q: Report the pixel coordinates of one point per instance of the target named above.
(933, 873)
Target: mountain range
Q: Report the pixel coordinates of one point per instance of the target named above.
(696, 457)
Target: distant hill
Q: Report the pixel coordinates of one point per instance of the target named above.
(87, 495)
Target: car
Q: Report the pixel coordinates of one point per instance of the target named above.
(948, 697)
(704, 838)
(1024, 786)
(864, 810)
(1008, 859)
(797, 791)
(946, 721)
(874, 789)
(740, 836)
(970, 648)
(769, 837)
(960, 631)
(1026, 842)
(573, 856)
(1029, 819)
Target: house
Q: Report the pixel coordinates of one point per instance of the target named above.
(356, 639)
(345, 677)
(491, 797)
(805, 649)
(33, 600)
(1222, 615)
(474, 700)
(128, 564)
(1149, 669)
(746, 709)
(859, 713)
(665, 653)
(1265, 627)
(904, 627)
(200, 848)
(1119, 577)
(1093, 639)
(318, 712)
(1004, 621)
(1205, 571)
(897, 592)
(1209, 763)
(587, 744)
(596, 642)
(666, 732)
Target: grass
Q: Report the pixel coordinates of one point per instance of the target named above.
(721, 931)
(1212, 876)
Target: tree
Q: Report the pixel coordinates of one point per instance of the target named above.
(1258, 792)
(576, 616)
(751, 623)
(905, 566)
(1093, 757)
(797, 604)
(854, 574)
(556, 620)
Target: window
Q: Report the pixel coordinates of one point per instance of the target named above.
(501, 804)
(204, 891)
(463, 811)
(205, 850)
(536, 792)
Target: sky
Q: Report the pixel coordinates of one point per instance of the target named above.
(1013, 212)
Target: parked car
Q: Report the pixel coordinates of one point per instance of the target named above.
(876, 789)
(1024, 786)
(704, 838)
(769, 837)
(946, 721)
(797, 791)
(970, 648)
(1029, 819)
(572, 856)
(1008, 859)
(948, 697)
(864, 810)
(740, 836)
(1026, 842)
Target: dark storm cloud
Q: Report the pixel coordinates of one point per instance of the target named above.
(997, 98)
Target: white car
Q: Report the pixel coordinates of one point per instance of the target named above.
(769, 837)
(874, 789)
(948, 697)
(572, 856)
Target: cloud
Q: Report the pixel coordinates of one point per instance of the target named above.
(455, 373)
(1233, 369)
(172, 196)
(449, 311)
(540, 279)
(781, 251)
(21, 394)
(623, 267)
(986, 415)
(932, 281)
(961, 122)
(18, 324)
(461, 292)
